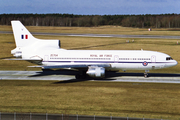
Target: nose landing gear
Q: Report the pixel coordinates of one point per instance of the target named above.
(146, 73)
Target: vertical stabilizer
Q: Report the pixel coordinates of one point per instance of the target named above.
(21, 35)
(25, 42)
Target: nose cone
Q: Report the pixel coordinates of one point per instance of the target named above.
(174, 63)
(171, 63)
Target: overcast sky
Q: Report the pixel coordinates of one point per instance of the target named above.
(91, 7)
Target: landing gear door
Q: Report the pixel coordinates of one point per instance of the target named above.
(153, 59)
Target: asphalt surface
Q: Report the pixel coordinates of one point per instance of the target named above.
(115, 77)
(101, 35)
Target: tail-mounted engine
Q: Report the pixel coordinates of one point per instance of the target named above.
(17, 52)
(96, 72)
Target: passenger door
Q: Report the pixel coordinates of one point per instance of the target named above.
(46, 58)
(153, 59)
(116, 59)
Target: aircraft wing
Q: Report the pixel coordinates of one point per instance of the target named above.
(76, 66)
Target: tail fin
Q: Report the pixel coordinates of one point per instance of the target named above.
(21, 35)
(25, 40)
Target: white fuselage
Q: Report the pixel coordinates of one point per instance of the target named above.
(118, 59)
(48, 55)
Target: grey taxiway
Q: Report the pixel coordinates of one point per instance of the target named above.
(101, 35)
(121, 77)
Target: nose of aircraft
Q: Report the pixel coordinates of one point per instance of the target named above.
(171, 63)
(174, 63)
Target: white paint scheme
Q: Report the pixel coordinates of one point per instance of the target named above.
(49, 55)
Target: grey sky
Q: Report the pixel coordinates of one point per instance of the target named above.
(89, 7)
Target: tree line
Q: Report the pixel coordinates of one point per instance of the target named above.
(140, 21)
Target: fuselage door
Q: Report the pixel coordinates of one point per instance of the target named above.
(116, 58)
(46, 58)
(153, 58)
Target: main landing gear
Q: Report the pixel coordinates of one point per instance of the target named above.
(81, 75)
(146, 73)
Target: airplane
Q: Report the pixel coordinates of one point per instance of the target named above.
(48, 55)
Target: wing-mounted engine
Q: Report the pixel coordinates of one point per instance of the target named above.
(96, 72)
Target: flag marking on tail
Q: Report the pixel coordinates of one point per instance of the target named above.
(24, 36)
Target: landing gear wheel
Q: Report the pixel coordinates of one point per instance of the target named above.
(145, 75)
(80, 76)
(77, 76)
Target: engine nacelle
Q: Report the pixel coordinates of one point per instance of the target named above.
(96, 72)
(17, 52)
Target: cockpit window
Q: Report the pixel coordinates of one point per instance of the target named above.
(169, 58)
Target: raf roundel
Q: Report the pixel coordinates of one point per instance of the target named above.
(145, 63)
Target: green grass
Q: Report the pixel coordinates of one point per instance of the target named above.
(89, 98)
